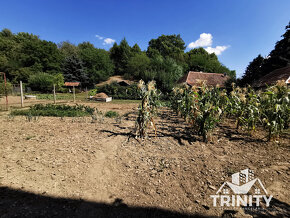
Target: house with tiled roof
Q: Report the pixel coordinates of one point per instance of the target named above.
(272, 78)
(196, 78)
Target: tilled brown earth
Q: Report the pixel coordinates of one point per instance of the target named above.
(73, 167)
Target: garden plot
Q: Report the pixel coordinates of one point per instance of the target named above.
(75, 167)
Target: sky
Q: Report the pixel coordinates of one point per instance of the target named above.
(236, 30)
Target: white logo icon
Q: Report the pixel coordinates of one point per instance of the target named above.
(242, 182)
(244, 189)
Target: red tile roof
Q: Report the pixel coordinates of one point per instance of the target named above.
(212, 79)
(271, 78)
(71, 84)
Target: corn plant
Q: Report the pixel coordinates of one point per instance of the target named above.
(200, 107)
(275, 109)
(243, 105)
(147, 109)
(251, 113)
(207, 111)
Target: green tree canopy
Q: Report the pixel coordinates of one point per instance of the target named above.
(120, 55)
(97, 62)
(168, 46)
(199, 59)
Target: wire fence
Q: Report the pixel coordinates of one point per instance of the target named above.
(10, 96)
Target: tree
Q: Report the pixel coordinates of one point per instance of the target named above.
(168, 46)
(6, 33)
(253, 71)
(280, 56)
(120, 55)
(41, 82)
(73, 70)
(67, 48)
(137, 65)
(199, 59)
(97, 62)
(136, 49)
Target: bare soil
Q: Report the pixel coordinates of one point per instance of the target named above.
(77, 167)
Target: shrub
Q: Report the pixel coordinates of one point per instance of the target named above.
(92, 92)
(8, 88)
(52, 110)
(111, 114)
(116, 91)
(41, 82)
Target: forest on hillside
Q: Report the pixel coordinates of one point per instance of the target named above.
(39, 63)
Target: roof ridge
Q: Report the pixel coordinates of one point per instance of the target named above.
(205, 72)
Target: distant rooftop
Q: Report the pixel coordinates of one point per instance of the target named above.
(196, 78)
(71, 84)
(271, 78)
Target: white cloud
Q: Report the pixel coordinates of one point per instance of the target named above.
(217, 50)
(205, 39)
(100, 37)
(108, 41)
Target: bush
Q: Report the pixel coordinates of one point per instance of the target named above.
(41, 82)
(93, 92)
(8, 88)
(116, 91)
(52, 110)
(112, 114)
(44, 82)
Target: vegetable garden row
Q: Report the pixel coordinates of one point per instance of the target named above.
(203, 107)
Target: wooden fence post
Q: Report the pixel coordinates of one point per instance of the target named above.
(74, 93)
(21, 94)
(54, 96)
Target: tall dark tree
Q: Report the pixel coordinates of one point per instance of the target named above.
(74, 71)
(136, 49)
(280, 55)
(253, 71)
(120, 54)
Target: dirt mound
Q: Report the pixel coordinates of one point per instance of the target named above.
(101, 95)
(117, 79)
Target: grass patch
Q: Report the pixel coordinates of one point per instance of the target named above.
(59, 96)
(111, 114)
(29, 137)
(124, 101)
(51, 110)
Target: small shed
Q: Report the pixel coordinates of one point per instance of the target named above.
(101, 97)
